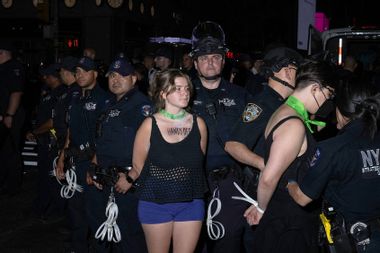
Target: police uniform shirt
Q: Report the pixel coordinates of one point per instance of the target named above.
(12, 78)
(119, 123)
(47, 103)
(60, 110)
(220, 108)
(249, 129)
(83, 113)
(346, 170)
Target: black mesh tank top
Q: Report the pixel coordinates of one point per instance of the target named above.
(173, 172)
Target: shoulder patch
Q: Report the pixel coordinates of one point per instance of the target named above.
(315, 157)
(146, 110)
(251, 112)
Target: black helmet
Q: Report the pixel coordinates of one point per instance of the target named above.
(208, 38)
(280, 57)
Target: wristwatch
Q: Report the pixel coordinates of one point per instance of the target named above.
(130, 180)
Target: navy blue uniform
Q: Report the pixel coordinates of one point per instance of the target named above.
(12, 79)
(47, 186)
(249, 130)
(345, 169)
(61, 110)
(83, 113)
(221, 108)
(114, 146)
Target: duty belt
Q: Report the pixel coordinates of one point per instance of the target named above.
(80, 154)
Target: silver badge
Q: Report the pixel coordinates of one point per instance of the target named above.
(90, 106)
(114, 113)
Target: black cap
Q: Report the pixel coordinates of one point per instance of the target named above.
(51, 70)
(121, 66)
(165, 52)
(280, 57)
(86, 64)
(69, 63)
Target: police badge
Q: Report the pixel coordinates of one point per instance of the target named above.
(251, 112)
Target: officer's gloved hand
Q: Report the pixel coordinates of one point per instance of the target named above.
(122, 185)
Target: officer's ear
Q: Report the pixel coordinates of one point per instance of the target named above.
(95, 74)
(196, 63)
(134, 79)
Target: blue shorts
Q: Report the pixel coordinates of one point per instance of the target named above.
(153, 213)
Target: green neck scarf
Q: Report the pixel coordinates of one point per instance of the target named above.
(301, 111)
(169, 115)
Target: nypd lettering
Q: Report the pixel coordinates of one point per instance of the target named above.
(197, 102)
(90, 106)
(251, 112)
(227, 102)
(371, 164)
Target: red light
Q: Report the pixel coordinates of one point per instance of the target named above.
(69, 43)
(230, 55)
(76, 43)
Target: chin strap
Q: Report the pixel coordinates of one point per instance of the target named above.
(210, 78)
(282, 82)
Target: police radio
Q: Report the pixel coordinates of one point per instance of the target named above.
(211, 110)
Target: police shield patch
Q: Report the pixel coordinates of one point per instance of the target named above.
(251, 112)
(146, 110)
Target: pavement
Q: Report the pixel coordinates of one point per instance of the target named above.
(21, 232)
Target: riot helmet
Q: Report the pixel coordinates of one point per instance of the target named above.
(278, 58)
(208, 38)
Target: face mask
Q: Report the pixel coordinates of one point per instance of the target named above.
(326, 108)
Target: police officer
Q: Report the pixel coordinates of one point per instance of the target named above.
(60, 110)
(219, 103)
(246, 140)
(12, 80)
(46, 202)
(345, 170)
(116, 129)
(84, 110)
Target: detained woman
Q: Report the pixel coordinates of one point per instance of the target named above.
(168, 159)
(284, 226)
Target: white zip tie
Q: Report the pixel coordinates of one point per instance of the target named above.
(215, 229)
(247, 198)
(109, 227)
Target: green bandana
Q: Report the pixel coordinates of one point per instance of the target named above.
(301, 111)
(169, 115)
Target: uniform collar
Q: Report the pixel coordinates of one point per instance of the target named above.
(89, 93)
(273, 93)
(355, 127)
(129, 94)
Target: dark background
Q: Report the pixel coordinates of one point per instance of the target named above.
(250, 25)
